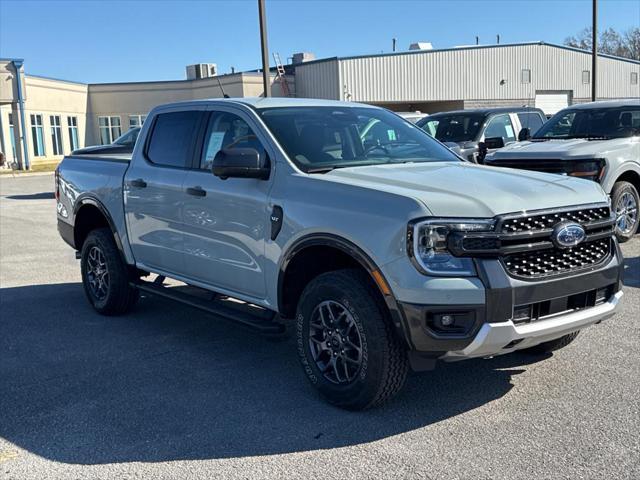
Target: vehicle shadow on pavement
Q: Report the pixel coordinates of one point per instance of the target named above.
(33, 196)
(167, 382)
(632, 272)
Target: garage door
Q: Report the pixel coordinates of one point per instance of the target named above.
(551, 103)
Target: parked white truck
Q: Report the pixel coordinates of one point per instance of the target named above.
(597, 141)
(381, 246)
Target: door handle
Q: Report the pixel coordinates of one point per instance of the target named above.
(138, 183)
(197, 191)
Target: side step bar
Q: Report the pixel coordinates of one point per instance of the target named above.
(257, 318)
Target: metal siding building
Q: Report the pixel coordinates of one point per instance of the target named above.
(427, 80)
(466, 77)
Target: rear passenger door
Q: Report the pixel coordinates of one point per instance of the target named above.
(153, 190)
(227, 221)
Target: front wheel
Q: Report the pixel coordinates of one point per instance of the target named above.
(346, 342)
(625, 201)
(105, 276)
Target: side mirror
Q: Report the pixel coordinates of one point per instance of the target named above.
(494, 142)
(482, 152)
(525, 134)
(241, 163)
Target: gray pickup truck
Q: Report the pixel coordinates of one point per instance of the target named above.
(385, 250)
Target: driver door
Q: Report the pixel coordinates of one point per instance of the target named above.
(226, 221)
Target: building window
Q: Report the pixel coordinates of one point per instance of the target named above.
(72, 124)
(37, 135)
(525, 76)
(586, 77)
(56, 134)
(136, 121)
(634, 78)
(12, 136)
(109, 129)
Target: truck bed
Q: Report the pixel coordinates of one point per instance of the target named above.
(97, 179)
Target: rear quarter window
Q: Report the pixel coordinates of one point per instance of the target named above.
(172, 138)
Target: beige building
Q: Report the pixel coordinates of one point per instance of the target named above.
(42, 119)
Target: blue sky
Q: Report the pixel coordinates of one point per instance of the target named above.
(108, 41)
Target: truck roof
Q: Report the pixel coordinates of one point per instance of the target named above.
(487, 111)
(607, 104)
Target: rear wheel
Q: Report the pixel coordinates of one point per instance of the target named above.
(552, 345)
(346, 343)
(625, 201)
(105, 276)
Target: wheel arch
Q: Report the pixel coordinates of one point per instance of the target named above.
(89, 214)
(329, 252)
(631, 176)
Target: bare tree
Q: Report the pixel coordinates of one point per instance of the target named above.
(610, 42)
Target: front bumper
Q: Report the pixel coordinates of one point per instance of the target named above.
(490, 326)
(499, 338)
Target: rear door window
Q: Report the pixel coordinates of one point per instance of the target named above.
(172, 139)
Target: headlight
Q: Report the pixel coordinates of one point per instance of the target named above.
(589, 170)
(427, 245)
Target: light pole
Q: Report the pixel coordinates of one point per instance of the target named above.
(265, 49)
(594, 53)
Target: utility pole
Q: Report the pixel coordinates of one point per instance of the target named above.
(265, 49)
(594, 53)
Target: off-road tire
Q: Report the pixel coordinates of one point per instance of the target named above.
(619, 189)
(552, 345)
(384, 363)
(120, 296)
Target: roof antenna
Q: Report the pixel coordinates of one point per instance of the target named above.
(498, 39)
(477, 40)
(221, 89)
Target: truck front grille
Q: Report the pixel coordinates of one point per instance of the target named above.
(525, 244)
(531, 223)
(543, 263)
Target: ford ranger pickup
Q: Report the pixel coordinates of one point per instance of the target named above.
(382, 249)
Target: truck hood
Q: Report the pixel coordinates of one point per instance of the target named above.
(460, 189)
(560, 149)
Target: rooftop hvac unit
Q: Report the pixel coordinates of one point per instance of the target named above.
(421, 46)
(302, 57)
(201, 70)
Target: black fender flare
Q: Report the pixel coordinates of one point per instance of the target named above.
(363, 259)
(88, 199)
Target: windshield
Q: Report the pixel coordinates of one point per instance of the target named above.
(319, 139)
(128, 138)
(604, 123)
(463, 127)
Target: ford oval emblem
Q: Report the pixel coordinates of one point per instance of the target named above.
(567, 235)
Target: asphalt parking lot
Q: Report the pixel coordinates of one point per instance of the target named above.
(168, 392)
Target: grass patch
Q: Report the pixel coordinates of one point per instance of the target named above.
(38, 167)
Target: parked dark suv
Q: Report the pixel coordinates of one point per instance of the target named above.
(465, 129)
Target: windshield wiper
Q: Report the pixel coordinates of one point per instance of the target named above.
(322, 169)
(590, 136)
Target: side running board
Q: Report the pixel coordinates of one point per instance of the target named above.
(252, 316)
